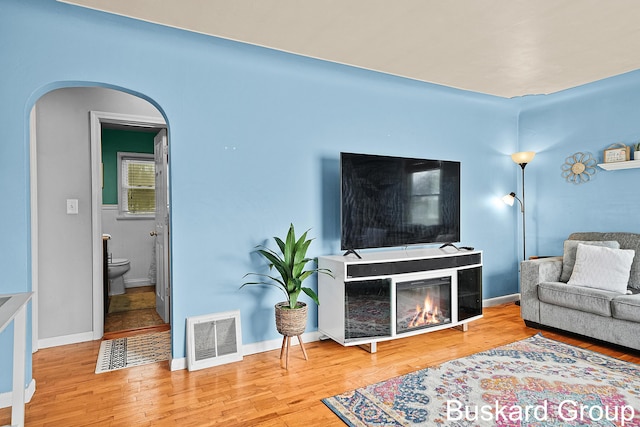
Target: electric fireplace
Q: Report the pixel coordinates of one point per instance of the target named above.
(419, 303)
(388, 295)
(423, 303)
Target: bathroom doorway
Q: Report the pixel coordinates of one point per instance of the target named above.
(134, 209)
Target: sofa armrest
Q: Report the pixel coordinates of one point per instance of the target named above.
(533, 272)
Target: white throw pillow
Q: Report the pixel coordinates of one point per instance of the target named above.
(569, 254)
(602, 268)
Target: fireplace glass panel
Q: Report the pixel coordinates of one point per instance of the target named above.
(423, 303)
(367, 309)
(469, 293)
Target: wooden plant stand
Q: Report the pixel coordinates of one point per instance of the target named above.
(286, 342)
(291, 323)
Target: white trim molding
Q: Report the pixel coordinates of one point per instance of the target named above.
(6, 398)
(492, 302)
(33, 178)
(65, 340)
(97, 118)
(258, 347)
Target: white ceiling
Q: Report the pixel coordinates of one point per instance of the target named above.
(505, 48)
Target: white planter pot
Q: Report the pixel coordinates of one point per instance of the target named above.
(636, 155)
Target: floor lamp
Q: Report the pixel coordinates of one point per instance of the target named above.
(522, 158)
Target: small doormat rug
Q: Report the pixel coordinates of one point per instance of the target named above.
(135, 301)
(138, 350)
(533, 382)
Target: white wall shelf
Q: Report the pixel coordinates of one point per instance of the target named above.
(631, 164)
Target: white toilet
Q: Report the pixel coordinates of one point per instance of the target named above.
(115, 271)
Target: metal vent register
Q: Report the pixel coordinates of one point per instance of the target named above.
(213, 339)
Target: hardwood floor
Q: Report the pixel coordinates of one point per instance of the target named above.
(134, 321)
(255, 391)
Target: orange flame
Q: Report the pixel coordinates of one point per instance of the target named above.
(426, 315)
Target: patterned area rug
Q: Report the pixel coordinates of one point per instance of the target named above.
(138, 350)
(533, 382)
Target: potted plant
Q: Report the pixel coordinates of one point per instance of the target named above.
(290, 263)
(636, 151)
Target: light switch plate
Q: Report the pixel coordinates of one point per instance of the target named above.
(72, 206)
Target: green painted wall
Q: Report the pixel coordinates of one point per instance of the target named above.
(113, 141)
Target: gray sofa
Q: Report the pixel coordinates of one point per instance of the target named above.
(546, 300)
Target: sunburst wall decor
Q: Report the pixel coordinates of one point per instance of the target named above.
(579, 168)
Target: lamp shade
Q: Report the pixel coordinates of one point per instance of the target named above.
(523, 157)
(509, 199)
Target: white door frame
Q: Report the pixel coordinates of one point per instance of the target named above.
(33, 183)
(97, 118)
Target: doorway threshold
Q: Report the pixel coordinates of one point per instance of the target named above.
(136, 331)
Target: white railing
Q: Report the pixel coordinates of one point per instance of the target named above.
(13, 307)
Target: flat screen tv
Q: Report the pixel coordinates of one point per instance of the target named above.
(397, 201)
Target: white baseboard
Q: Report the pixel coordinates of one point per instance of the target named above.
(178, 364)
(66, 339)
(491, 302)
(6, 399)
(136, 283)
(258, 347)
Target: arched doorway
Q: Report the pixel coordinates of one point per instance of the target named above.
(67, 209)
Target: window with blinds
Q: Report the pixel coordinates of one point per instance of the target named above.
(137, 184)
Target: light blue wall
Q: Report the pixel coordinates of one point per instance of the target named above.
(255, 137)
(586, 119)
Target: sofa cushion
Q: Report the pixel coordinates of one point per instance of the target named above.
(590, 300)
(602, 268)
(626, 307)
(626, 240)
(569, 254)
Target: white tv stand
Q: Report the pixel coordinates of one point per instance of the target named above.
(381, 275)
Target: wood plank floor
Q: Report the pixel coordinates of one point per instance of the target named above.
(255, 391)
(133, 321)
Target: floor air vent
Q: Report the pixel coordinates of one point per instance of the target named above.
(213, 339)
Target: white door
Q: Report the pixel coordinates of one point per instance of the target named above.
(162, 226)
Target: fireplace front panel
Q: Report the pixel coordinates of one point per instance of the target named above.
(423, 303)
(367, 308)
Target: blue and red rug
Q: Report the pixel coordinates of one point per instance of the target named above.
(533, 382)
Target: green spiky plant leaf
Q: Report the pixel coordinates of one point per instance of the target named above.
(290, 264)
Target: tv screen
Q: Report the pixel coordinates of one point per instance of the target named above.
(397, 201)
